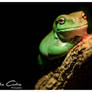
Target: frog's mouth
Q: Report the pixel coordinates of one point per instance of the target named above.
(69, 33)
(73, 28)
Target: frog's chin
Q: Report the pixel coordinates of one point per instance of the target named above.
(73, 28)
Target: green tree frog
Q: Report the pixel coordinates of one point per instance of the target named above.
(67, 31)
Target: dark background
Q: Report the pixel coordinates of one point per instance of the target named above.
(22, 27)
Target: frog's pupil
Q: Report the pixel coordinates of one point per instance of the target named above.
(61, 21)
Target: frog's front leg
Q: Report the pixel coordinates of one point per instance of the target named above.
(59, 48)
(56, 49)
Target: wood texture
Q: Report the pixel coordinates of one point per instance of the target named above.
(58, 78)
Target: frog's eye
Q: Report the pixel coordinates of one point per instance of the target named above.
(84, 16)
(61, 21)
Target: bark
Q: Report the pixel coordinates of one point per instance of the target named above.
(58, 78)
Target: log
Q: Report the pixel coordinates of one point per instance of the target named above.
(58, 78)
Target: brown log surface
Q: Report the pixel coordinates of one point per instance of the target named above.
(58, 78)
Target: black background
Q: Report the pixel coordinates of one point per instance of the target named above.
(22, 27)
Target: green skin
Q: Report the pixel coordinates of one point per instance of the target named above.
(58, 42)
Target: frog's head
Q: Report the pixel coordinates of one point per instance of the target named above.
(71, 25)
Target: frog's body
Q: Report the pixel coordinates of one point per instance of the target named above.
(61, 39)
(52, 46)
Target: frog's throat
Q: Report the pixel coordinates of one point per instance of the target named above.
(73, 28)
